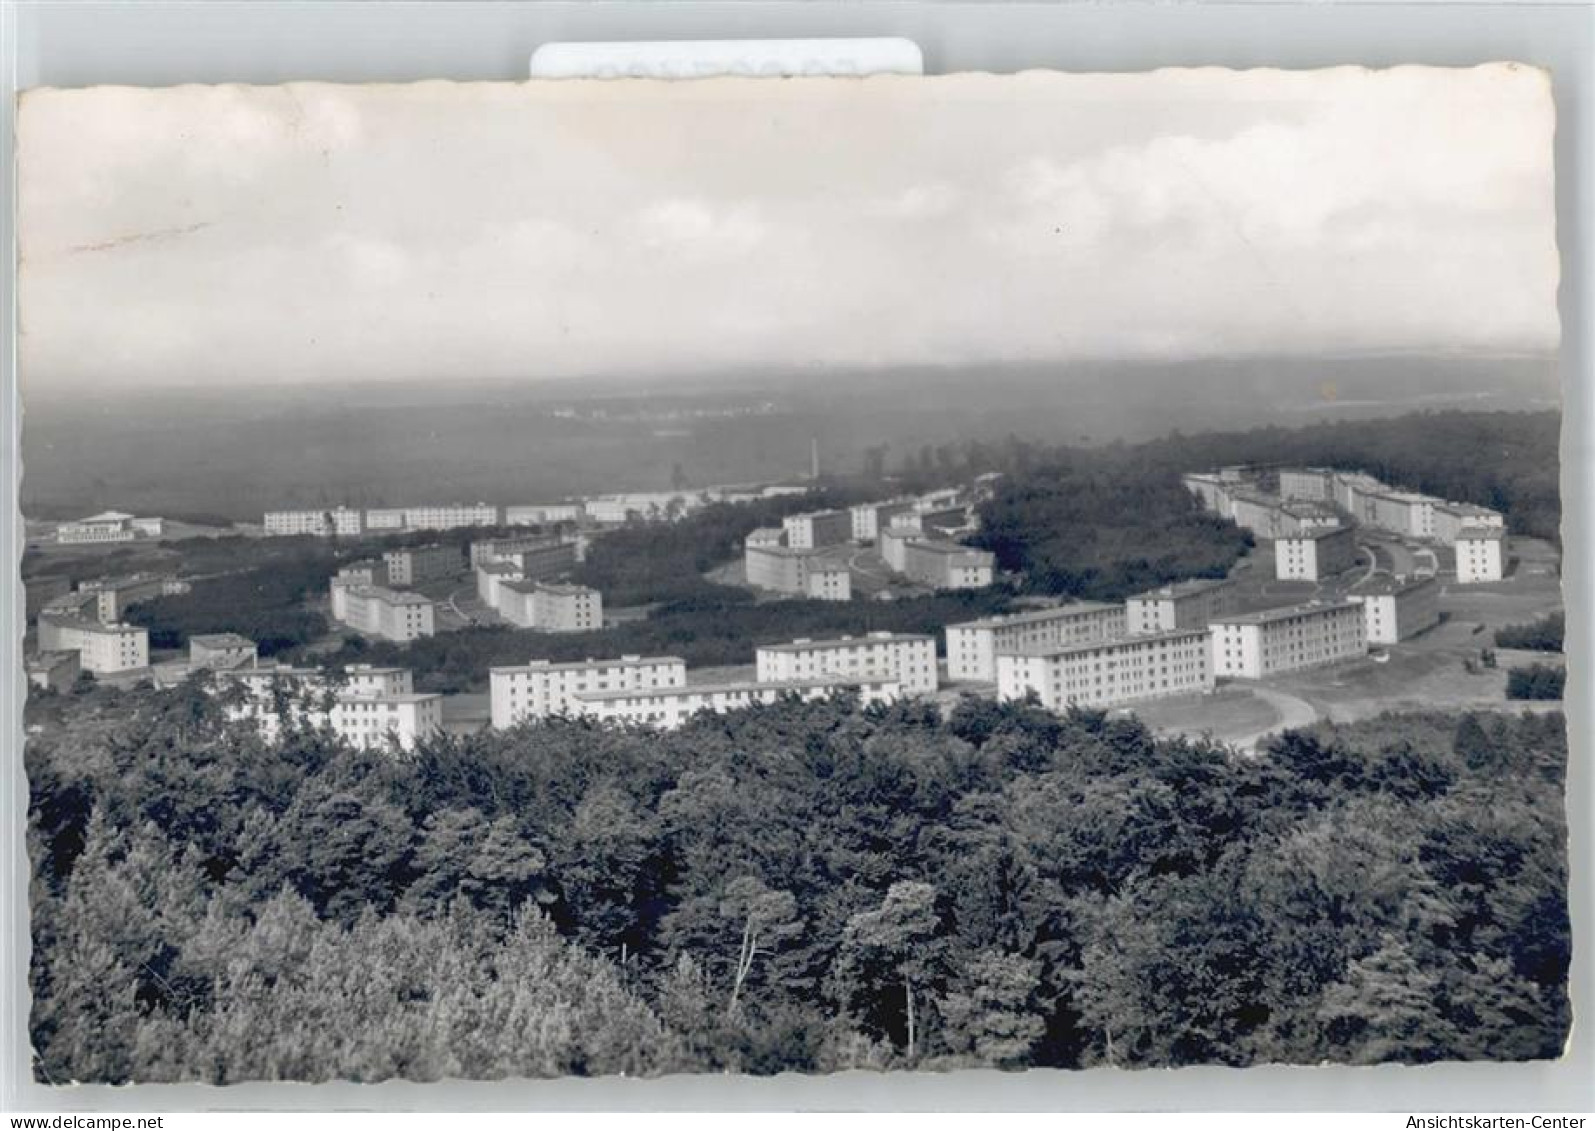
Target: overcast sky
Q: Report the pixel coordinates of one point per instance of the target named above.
(314, 232)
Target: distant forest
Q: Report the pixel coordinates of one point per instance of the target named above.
(802, 887)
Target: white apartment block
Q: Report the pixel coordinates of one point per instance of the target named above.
(104, 649)
(802, 573)
(385, 518)
(1184, 604)
(1481, 554)
(541, 689)
(1452, 519)
(367, 571)
(380, 722)
(1255, 645)
(501, 549)
(869, 518)
(1396, 609)
(1109, 672)
(816, 529)
(321, 523)
(892, 545)
(1314, 555)
(1315, 483)
(415, 564)
(948, 565)
(450, 516)
(268, 697)
(115, 595)
(542, 515)
(489, 576)
(377, 708)
(670, 707)
(972, 646)
(766, 537)
(828, 581)
(551, 608)
(380, 611)
(909, 659)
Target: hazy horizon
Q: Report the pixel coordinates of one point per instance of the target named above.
(231, 236)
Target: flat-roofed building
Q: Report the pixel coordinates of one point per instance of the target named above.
(1451, 519)
(1107, 672)
(385, 720)
(1184, 604)
(1397, 608)
(1254, 645)
(371, 679)
(817, 528)
(271, 696)
(1314, 483)
(972, 646)
(1298, 517)
(546, 554)
(541, 689)
(220, 651)
(367, 571)
(891, 543)
(869, 518)
(802, 573)
(380, 611)
(412, 565)
(489, 576)
(941, 499)
(669, 707)
(385, 518)
(54, 671)
(115, 595)
(319, 522)
(1257, 512)
(1314, 555)
(109, 526)
(1481, 554)
(104, 649)
(909, 658)
(544, 563)
(948, 565)
(551, 608)
(828, 581)
(450, 516)
(1212, 491)
(542, 514)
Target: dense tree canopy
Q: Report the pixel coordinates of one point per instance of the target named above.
(803, 886)
(1543, 635)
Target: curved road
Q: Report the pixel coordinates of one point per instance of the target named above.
(1293, 713)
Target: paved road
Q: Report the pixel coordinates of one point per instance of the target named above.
(1293, 713)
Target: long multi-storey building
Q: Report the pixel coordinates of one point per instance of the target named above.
(1396, 608)
(542, 514)
(551, 608)
(909, 658)
(972, 646)
(869, 518)
(378, 708)
(1481, 554)
(1313, 483)
(115, 595)
(559, 553)
(1254, 645)
(450, 516)
(670, 707)
(110, 526)
(411, 565)
(104, 649)
(367, 571)
(1314, 555)
(1108, 672)
(948, 565)
(389, 613)
(541, 689)
(324, 522)
(802, 573)
(1452, 519)
(817, 529)
(1184, 604)
(270, 697)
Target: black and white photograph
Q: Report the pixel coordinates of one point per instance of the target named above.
(581, 578)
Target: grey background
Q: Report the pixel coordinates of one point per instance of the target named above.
(157, 43)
